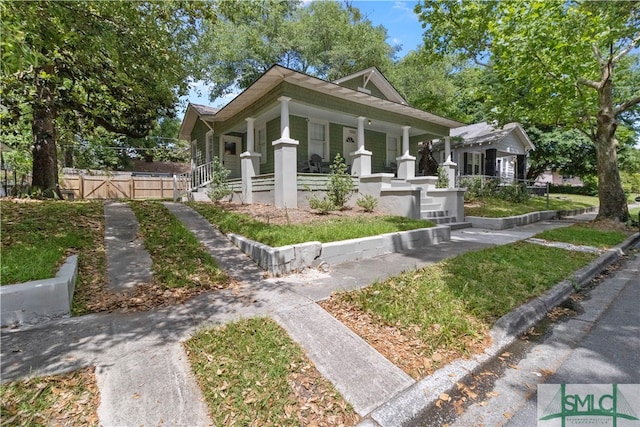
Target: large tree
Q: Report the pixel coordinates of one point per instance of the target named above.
(324, 38)
(114, 64)
(567, 63)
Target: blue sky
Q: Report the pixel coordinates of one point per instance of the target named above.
(403, 28)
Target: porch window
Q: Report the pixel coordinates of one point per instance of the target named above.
(318, 139)
(392, 149)
(262, 143)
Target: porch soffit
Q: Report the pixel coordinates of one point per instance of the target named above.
(278, 74)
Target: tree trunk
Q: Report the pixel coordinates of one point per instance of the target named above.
(613, 203)
(45, 165)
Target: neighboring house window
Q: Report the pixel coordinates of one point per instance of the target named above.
(319, 139)
(392, 149)
(261, 141)
(474, 163)
(209, 147)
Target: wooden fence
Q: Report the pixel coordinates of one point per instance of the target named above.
(118, 187)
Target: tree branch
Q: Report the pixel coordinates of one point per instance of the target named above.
(590, 83)
(598, 55)
(626, 50)
(627, 104)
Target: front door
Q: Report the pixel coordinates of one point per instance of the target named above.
(230, 147)
(349, 145)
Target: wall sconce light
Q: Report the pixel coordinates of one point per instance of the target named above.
(369, 122)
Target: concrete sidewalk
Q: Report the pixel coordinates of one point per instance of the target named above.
(142, 371)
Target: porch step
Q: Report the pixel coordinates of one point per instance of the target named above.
(429, 207)
(395, 182)
(200, 195)
(437, 216)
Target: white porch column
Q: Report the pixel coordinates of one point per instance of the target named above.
(449, 167)
(285, 162)
(361, 158)
(249, 163)
(406, 162)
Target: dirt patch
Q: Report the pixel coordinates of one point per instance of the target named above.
(269, 214)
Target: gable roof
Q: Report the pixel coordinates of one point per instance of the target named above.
(193, 113)
(278, 74)
(485, 133)
(376, 77)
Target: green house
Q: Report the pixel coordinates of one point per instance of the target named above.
(280, 134)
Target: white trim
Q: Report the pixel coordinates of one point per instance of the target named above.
(208, 146)
(325, 154)
(261, 148)
(391, 159)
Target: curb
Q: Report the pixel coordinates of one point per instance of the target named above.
(40, 300)
(524, 219)
(287, 259)
(424, 394)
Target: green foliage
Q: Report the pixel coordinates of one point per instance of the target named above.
(443, 178)
(324, 38)
(553, 63)
(340, 185)
(331, 230)
(324, 205)
(367, 202)
(219, 187)
(118, 65)
(568, 151)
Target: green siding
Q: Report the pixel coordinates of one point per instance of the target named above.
(199, 133)
(352, 108)
(376, 142)
(356, 82)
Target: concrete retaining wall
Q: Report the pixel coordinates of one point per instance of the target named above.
(515, 221)
(40, 300)
(287, 259)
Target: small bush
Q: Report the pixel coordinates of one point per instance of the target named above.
(367, 202)
(323, 205)
(219, 188)
(443, 178)
(340, 185)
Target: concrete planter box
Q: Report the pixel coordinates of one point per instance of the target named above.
(40, 300)
(515, 221)
(287, 259)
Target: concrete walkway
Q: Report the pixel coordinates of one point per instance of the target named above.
(142, 371)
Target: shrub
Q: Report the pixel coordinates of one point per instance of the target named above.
(340, 185)
(367, 202)
(443, 178)
(219, 188)
(323, 205)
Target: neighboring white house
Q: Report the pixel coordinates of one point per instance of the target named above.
(482, 149)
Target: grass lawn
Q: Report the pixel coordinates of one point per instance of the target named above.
(251, 373)
(179, 260)
(37, 236)
(453, 304)
(585, 234)
(498, 208)
(67, 399)
(330, 230)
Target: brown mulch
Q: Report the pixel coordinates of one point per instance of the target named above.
(271, 215)
(402, 346)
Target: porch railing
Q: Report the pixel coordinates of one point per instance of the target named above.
(185, 183)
